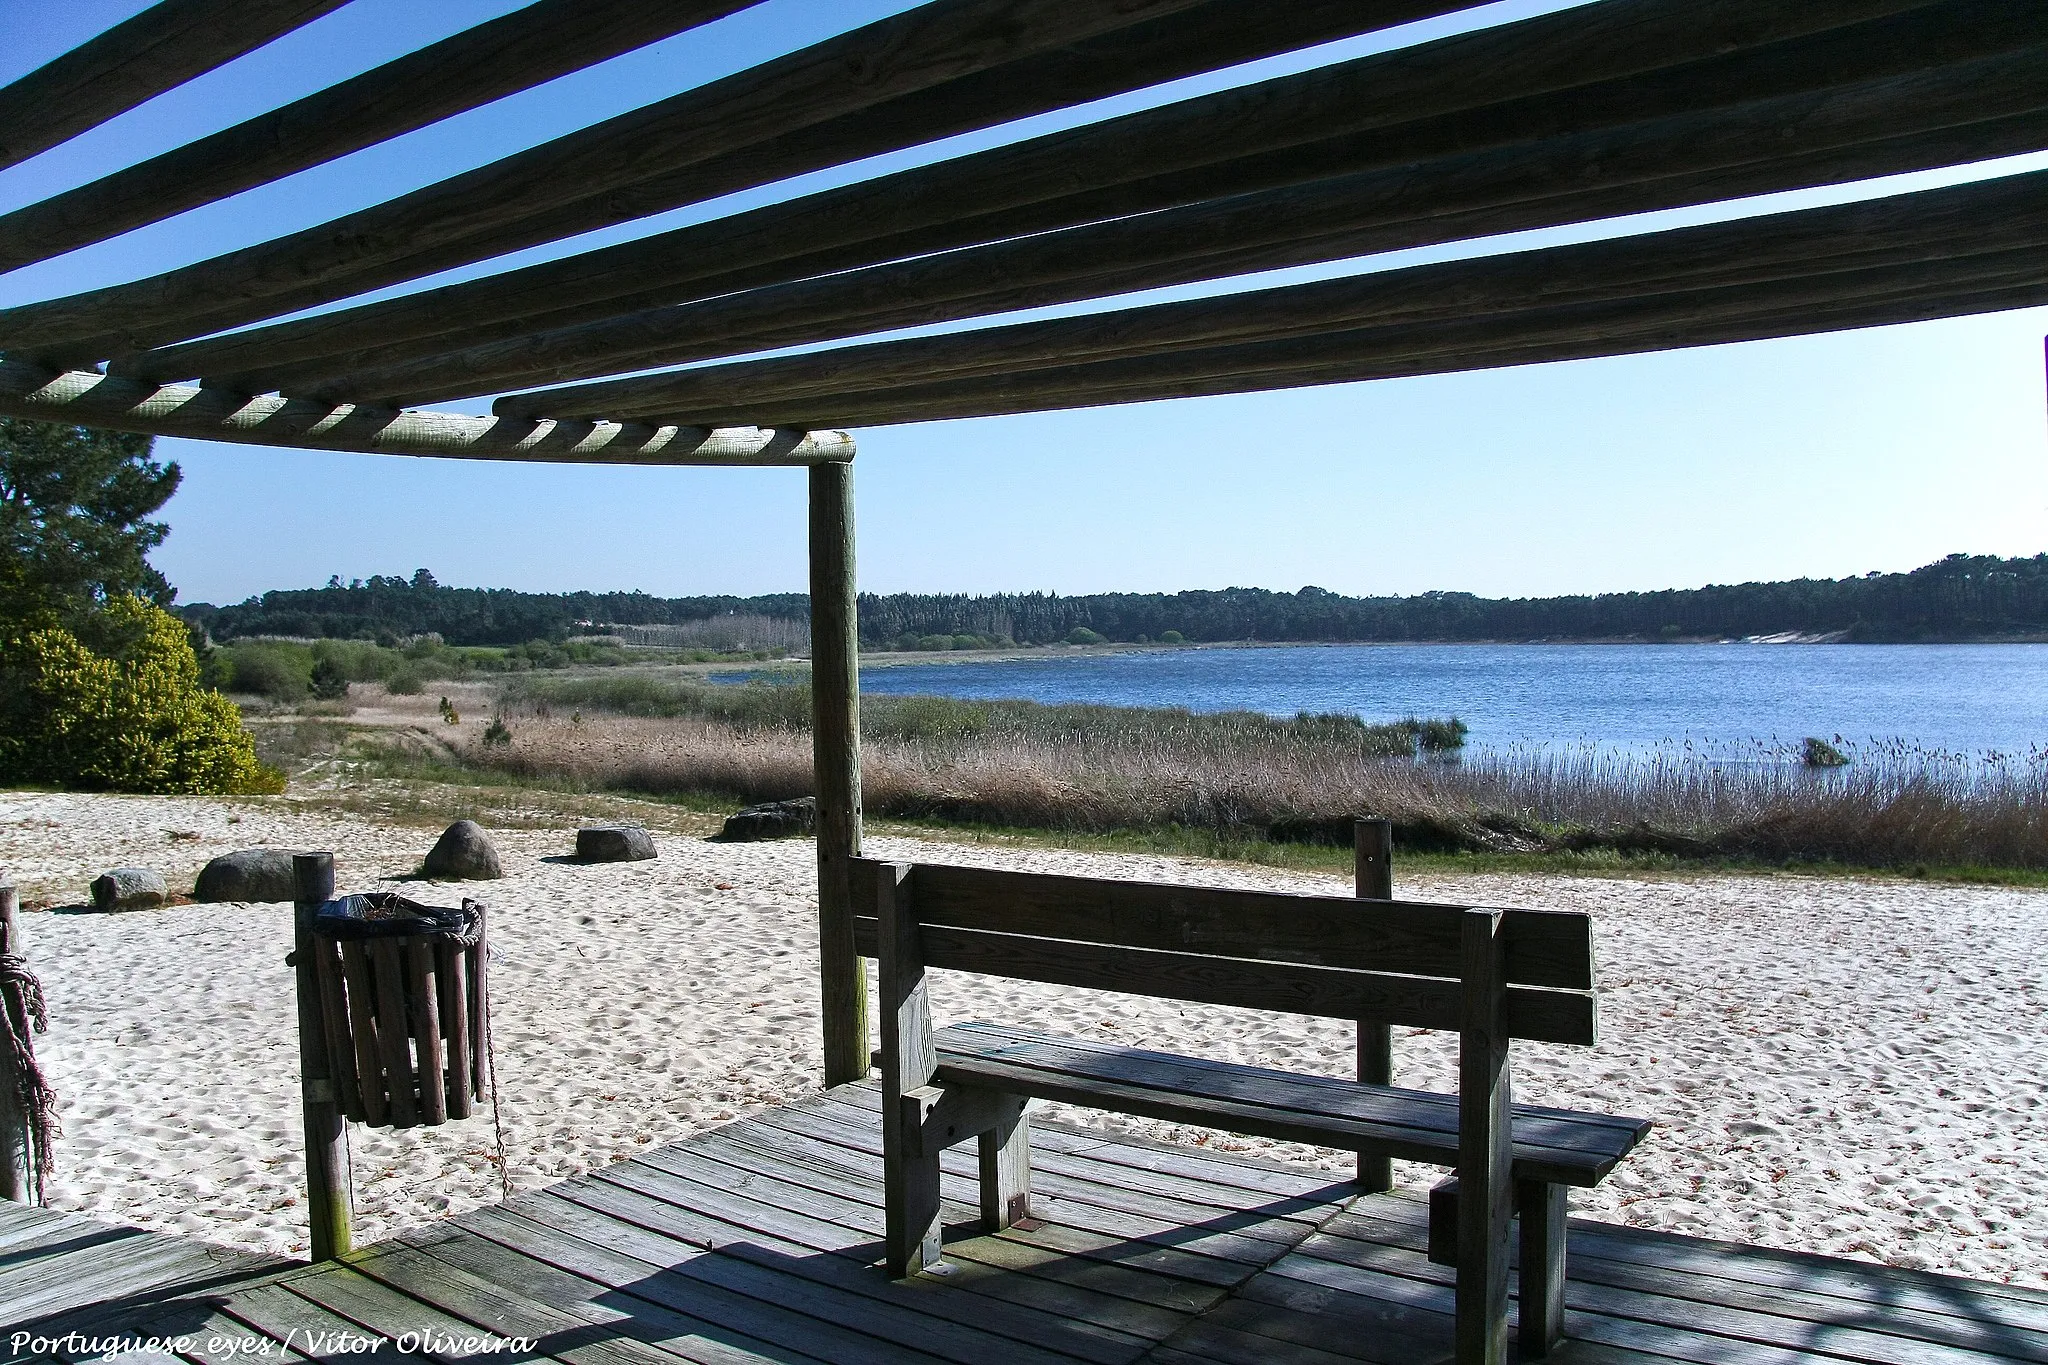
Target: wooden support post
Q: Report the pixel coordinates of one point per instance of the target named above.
(1372, 865)
(835, 760)
(910, 1166)
(1539, 1325)
(1486, 1202)
(328, 1178)
(1005, 1152)
(17, 1176)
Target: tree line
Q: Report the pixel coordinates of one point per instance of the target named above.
(1960, 597)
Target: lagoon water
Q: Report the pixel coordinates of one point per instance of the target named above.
(1725, 697)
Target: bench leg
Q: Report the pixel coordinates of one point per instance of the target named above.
(1443, 1222)
(1006, 1169)
(1541, 1207)
(928, 1120)
(910, 1211)
(1541, 1319)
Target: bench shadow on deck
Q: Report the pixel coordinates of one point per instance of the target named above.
(756, 1242)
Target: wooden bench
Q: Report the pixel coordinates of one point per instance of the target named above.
(1488, 975)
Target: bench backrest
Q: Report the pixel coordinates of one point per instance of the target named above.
(1396, 962)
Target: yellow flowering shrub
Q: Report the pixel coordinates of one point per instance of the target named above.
(126, 716)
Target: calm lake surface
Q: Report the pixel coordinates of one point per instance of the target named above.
(1958, 698)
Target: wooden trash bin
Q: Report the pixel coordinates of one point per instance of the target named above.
(403, 995)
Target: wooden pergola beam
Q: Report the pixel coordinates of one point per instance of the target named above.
(135, 61)
(1793, 142)
(781, 118)
(1301, 128)
(1826, 250)
(473, 67)
(96, 400)
(1591, 332)
(1565, 324)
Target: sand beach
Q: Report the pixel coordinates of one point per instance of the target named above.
(1842, 1066)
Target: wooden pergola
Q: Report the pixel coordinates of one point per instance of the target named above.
(1594, 112)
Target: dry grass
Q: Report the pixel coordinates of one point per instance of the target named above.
(1899, 809)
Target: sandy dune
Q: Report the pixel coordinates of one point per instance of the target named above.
(1846, 1067)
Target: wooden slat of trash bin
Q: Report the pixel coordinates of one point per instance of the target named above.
(341, 1051)
(480, 1017)
(423, 1010)
(452, 980)
(362, 1028)
(394, 1037)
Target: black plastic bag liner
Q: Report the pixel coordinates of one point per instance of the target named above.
(386, 914)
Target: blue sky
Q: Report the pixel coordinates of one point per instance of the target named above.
(1826, 456)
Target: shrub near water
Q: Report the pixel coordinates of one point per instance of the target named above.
(291, 670)
(1003, 762)
(1245, 776)
(945, 722)
(123, 712)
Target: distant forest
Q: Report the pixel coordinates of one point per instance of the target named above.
(1961, 597)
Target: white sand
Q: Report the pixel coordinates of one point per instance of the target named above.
(1839, 1066)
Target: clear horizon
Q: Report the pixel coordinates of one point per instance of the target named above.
(1821, 457)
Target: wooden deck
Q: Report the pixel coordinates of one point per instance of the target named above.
(756, 1241)
(54, 1263)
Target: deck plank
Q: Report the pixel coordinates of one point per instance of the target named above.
(1241, 1237)
(559, 1271)
(58, 1265)
(758, 1290)
(567, 1337)
(27, 1226)
(1080, 1325)
(1125, 1299)
(1069, 1297)
(1692, 1294)
(273, 1311)
(1057, 1149)
(381, 1311)
(1680, 1298)
(774, 1159)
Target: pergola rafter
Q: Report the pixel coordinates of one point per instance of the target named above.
(935, 71)
(1405, 115)
(478, 65)
(1593, 112)
(1887, 125)
(1910, 253)
(135, 61)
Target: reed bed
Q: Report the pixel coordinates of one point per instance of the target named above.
(1242, 776)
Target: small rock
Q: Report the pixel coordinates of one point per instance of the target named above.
(129, 888)
(613, 844)
(772, 820)
(249, 874)
(463, 853)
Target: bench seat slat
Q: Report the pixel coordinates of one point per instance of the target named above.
(1434, 1116)
(1550, 1145)
(1550, 1016)
(1543, 948)
(1628, 1131)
